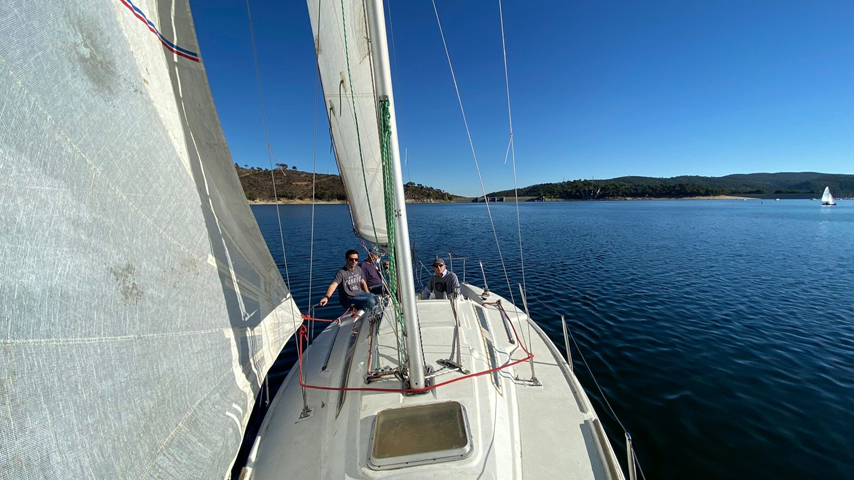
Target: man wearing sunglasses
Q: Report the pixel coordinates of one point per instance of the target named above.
(352, 289)
(442, 282)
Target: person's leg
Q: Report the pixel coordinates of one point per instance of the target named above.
(364, 301)
(377, 289)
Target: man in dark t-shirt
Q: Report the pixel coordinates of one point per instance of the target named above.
(352, 289)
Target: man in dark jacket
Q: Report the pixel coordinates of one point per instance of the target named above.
(371, 271)
(442, 282)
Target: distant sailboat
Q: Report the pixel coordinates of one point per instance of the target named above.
(827, 198)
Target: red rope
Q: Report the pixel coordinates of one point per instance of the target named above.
(351, 311)
(306, 317)
(303, 334)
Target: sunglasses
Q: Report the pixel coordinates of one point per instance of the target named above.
(353, 259)
(437, 266)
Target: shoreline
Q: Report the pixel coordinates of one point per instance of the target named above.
(521, 200)
(329, 202)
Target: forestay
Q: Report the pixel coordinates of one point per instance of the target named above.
(140, 309)
(344, 61)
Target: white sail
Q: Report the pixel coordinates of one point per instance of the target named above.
(344, 62)
(827, 198)
(139, 306)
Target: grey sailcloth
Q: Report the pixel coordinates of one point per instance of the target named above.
(140, 309)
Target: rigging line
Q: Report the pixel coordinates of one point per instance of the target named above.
(267, 140)
(512, 149)
(406, 158)
(314, 168)
(604, 398)
(507, 152)
(291, 304)
(397, 83)
(356, 119)
(474, 155)
(590, 371)
(391, 293)
(381, 106)
(587, 365)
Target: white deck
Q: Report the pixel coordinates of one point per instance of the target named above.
(518, 430)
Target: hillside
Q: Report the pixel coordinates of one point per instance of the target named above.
(805, 183)
(293, 184)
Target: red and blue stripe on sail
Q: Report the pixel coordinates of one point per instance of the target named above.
(166, 43)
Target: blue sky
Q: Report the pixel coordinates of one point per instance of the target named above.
(598, 89)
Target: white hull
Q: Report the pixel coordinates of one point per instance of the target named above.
(518, 430)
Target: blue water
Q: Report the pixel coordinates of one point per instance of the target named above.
(720, 331)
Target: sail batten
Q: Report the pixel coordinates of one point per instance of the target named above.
(140, 309)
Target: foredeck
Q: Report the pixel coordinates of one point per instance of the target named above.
(519, 429)
(560, 431)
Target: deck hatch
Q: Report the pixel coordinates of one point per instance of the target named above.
(433, 433)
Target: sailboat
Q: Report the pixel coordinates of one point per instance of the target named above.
(438, 388)
(142, 310)
(827, 198)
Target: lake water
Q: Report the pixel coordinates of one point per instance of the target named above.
(720, 331)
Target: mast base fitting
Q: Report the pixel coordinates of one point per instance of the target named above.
(428, 382)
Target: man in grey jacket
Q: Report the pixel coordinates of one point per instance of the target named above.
(442, 282)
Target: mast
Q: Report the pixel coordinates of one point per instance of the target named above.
(382, 83)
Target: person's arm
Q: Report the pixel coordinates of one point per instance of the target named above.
(425, 294)
(456, 285)
(365, 286)
(332, 287)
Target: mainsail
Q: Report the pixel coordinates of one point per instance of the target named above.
(140, 308)
(827, 198)
(344, 61)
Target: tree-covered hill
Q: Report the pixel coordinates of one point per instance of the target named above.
(807, 183)
(293, 184)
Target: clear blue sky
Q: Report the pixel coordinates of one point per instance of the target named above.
(598, 89)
